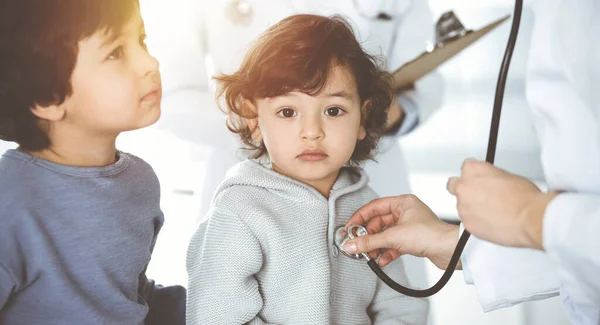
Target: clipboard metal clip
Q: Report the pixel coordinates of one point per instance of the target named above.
(448, 28)
(451, 39)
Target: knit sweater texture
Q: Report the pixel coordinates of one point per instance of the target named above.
(264, 254)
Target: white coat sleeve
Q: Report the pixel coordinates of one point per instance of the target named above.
(564, 93)
(563, 90)
(415, 28)
(571, 228)
(506, 276)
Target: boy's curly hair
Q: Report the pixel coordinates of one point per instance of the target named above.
(38, 51)
(296, 55)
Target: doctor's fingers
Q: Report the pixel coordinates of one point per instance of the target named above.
(453, 184)
(465, 189)
(376, 208)
(368, 243)
(474, 168)
(388, 256)
(378, 224)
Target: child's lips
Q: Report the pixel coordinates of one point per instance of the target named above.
(154, 95)
(312, 155)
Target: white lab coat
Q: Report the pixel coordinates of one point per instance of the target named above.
(220, 44)
(563, 89)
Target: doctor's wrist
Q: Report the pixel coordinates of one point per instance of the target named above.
(533, 220)
(446, 245)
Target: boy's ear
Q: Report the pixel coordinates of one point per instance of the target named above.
(362, 133)
(249, 109)
(51, 112)
(364, 112)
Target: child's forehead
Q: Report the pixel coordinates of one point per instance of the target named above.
(340, 82)
(341, 76)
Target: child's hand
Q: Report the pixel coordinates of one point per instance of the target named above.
(404, 225)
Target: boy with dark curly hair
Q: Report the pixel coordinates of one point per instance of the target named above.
(312, 105)
(78, 218)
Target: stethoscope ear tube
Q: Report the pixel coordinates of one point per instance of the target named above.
(491, 153)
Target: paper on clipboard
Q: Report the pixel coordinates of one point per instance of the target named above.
(407, 74)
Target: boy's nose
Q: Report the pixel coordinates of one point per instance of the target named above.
(147, 64)
(312, 130)
(152, 66)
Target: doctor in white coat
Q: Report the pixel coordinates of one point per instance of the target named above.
(556, 232)
(215, 37)
(563, 89)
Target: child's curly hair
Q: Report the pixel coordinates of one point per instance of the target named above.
(296, 55)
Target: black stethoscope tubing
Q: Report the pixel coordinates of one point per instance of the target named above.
(491, 153)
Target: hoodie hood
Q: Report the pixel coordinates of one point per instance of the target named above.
(253, 173)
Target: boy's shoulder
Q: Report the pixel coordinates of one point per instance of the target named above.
(15, 166)
(12, 168)
(360, 197)
(368, 193)
(16, 178)
(252, 188)
(357, 180)
(138, 165)
(247, 177)
(26, 180)
(240, 198)
(358, 192)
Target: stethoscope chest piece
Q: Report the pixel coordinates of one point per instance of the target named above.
(343, 235)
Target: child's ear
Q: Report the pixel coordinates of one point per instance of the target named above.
(362, 133)
(249, 109)
(51, 113)
(255, 129)
(364, 113)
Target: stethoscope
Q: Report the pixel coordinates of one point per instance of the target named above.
(343, 234)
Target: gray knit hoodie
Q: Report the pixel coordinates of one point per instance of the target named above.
(264, 255)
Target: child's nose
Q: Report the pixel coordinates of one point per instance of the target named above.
(312, 129)
(147, 64)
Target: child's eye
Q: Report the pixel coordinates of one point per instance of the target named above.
(116, 53)
(334, 111)
(287, 112)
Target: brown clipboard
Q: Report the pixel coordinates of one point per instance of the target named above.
(410, 72)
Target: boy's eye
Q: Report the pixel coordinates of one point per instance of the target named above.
(334, 111)
(116, 53)
(287, 112)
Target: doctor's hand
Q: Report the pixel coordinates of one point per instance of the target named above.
(498, 206)
(404, 225)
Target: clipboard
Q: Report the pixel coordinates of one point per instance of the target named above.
(405, 76)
